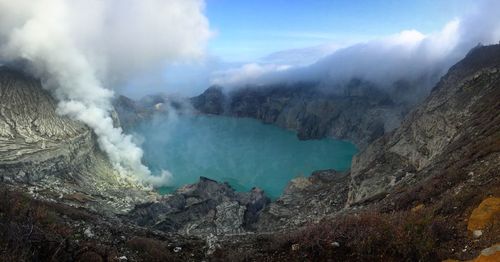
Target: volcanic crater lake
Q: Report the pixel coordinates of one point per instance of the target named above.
(241, 151)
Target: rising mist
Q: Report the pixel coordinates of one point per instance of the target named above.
(81, 49)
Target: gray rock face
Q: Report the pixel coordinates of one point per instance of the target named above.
(229, 218)
(130, 112)
(445, 119)
(204, 208)
(29, 125)
(306, 200)
(361, 113)
(53, 156)
(212, 101)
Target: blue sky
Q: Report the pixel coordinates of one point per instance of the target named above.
(248, 30)
(296, 33)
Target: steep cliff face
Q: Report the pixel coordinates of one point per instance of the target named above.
(51, 155)
(212, 101)
(130, 112)
(360, 113)
(461, 112)
(29, 125)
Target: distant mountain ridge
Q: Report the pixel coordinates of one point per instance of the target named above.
(360, 112)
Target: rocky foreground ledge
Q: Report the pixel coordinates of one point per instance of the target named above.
(202, 209)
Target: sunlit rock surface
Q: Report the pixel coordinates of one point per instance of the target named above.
(204, 208)
(485, 214)
(461, 112)
(53, 156)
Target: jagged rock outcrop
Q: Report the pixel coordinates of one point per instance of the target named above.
(360, 113)
(462, 109)
(130, 113)
(53, 156)
(306, 200)
(212, 101)
(204, 208)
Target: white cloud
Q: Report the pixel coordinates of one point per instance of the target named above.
(246, 74)
(78, 47)
(409, 55)
(301, 56)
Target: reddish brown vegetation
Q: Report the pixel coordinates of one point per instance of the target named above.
(371, 236)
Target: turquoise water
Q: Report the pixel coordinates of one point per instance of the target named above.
(243, 152)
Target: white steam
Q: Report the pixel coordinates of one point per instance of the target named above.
(410, 55)
(80, 47)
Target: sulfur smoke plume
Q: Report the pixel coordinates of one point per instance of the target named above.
(82, 48)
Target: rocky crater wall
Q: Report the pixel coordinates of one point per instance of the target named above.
(52, 155)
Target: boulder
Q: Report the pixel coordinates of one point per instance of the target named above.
(207, 207)
(485, 214)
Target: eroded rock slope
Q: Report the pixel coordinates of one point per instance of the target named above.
(53, 156)
(462, 112)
